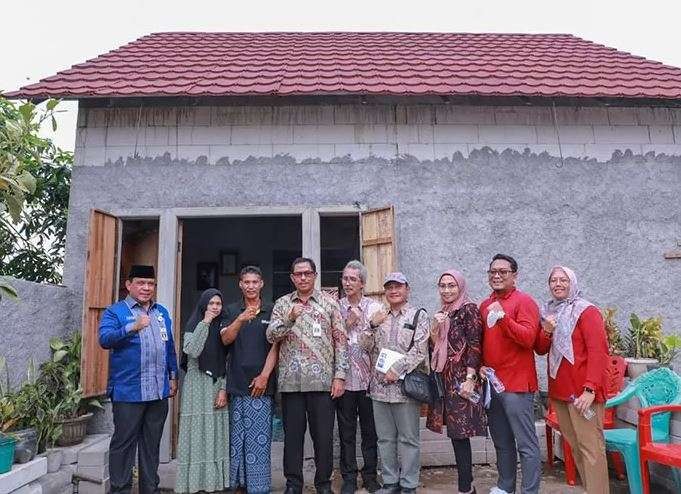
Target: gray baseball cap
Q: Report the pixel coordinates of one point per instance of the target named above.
(397, 277)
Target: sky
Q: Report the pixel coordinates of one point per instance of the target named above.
(42, 39)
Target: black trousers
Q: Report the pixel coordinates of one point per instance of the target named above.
(464, 463)
(349, 407)
(298, 410)
(137, 426)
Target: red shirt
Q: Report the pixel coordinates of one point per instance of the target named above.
(508, 346)
(590, 348)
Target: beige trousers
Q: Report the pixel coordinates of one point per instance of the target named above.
(588, 445)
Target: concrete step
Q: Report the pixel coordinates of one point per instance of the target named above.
(22, 474)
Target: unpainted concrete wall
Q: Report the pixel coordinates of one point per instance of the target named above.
(27, 324)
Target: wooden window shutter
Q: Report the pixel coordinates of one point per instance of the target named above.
(378, 248)
(98, 294)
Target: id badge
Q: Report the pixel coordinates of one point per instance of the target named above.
(317, 330)
(162, 328)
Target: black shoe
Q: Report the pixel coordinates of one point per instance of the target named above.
(324, 490)
(293, 490)
(349, 486)
(371, 484)
(404, 490)
(390, 489)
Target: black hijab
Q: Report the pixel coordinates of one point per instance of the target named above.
(212, 359)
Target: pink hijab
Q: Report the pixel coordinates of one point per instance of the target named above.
(439, 358)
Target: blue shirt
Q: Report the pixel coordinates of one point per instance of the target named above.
(140, 363)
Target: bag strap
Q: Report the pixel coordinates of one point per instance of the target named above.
(414, 325)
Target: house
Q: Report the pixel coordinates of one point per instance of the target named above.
(200, 151)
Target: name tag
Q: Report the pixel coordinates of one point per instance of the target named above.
(264, 321)
(164, 334)
(316, 330)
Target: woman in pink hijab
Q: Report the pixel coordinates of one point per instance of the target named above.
(455, 339)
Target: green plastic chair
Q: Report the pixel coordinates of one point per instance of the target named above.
(656, 387)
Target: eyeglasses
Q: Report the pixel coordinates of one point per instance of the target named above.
(304, 274)
(504, 273)
(445, 286)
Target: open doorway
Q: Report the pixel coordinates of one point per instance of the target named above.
(339, 240)
(215, 249)
(139, 245)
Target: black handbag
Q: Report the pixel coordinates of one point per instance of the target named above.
(426, 388)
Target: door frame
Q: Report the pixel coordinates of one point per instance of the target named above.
(169, 241)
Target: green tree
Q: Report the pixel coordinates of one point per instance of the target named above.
(35, 177)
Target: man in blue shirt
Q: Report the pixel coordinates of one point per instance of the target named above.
(142, 375)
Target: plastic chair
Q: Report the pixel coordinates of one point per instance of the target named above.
(657, 387)
(615, 382)
(667, 454)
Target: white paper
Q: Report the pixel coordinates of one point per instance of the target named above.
(493, 316)
(386, 359)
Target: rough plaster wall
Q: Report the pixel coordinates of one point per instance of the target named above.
(610, 221)
(27, 324)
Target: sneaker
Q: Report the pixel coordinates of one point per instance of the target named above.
(496, 490)
(390, 489)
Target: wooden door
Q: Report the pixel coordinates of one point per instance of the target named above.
(98, 294)
(377, 231)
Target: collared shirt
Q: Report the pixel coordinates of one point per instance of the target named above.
(508, 346)
(152, 347)
(394, 335)
(313, 349)
(359, 370)
(249, 350)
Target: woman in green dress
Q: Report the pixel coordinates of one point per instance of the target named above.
(203, 445)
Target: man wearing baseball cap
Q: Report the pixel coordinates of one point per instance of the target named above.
(397, 415)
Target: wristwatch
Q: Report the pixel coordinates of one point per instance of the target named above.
(589, 390)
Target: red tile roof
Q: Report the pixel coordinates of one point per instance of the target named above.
(233, 64)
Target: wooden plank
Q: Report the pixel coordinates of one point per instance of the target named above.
(378, 248)
(98, 293)
(377, 241)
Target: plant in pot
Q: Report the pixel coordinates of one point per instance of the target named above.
(61, 375)
(644, 344)
(671, 346)
(26, 404)
(8, 419)
(616, 344)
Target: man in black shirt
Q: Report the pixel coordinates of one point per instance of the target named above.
(250, 384)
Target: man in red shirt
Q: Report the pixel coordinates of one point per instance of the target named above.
(511, 323)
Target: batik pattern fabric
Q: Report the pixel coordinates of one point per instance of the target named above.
(395, 334)
(359, 360)
(250, 443)
(461, 417)
(313, 348)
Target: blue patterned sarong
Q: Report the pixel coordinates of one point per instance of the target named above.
(250, 443)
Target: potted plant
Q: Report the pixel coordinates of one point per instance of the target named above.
(615, 341)
(7, 443)
(671, 345)
(23, 405)
(644, 344)
(61, 376)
